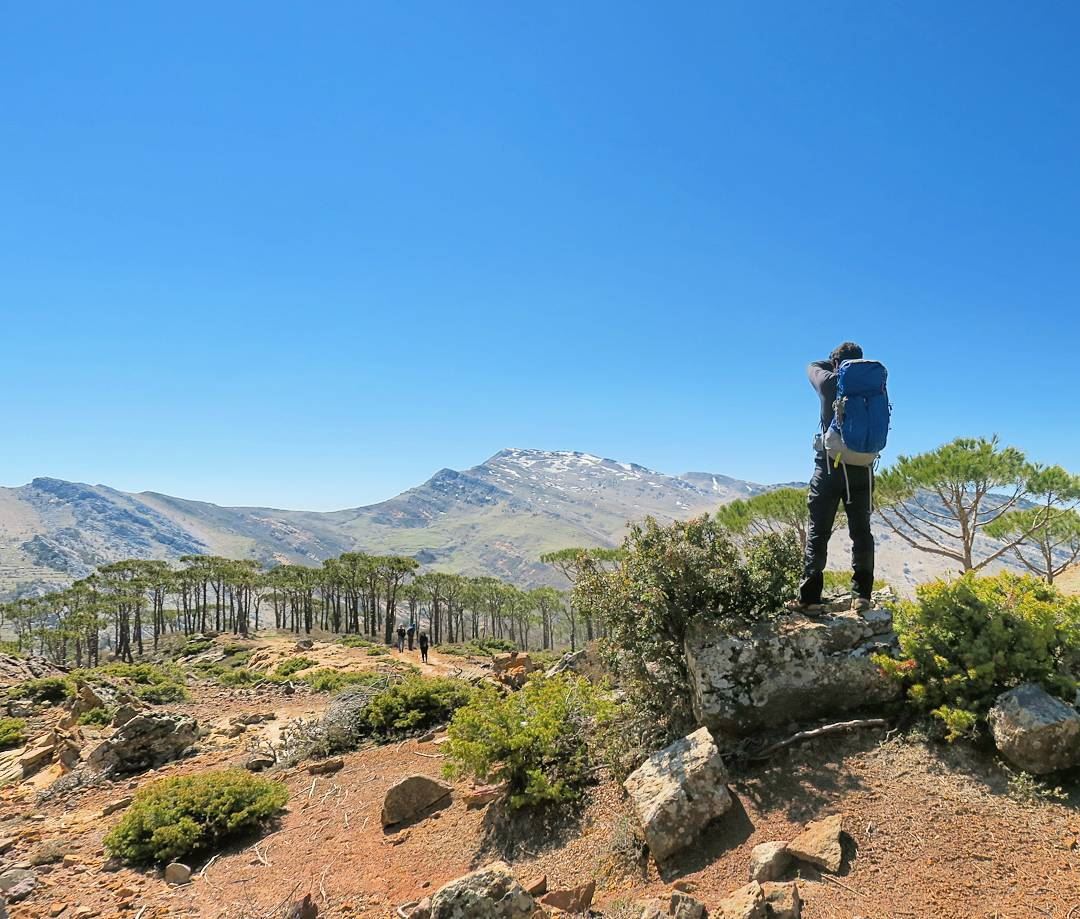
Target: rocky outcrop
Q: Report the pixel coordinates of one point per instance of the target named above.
(1034, 731)
(792, 668)
(19, 669)
(146, 741)
(679, 790)
(412, 796)
(490, 893)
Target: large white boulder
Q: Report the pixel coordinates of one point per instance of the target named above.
(677, 791)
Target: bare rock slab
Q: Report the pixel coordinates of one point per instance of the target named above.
(490, 893)
(819, 844)
(678, 791)
(745, 903)
(769, 861)
(1035, 731)
(410, 797)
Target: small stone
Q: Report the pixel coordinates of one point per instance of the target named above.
(259, 762)
(411, 797)
(57, 908)
(177, 874)
(819, 844)
(684, 906)
(6, 843)
(769, 861)
(684, 886)
(21, 890)
(537, 887)
(70, 861)
(326, 766)
(782, 901)
(118, 805)
(746, 903)
(14, 876)
(422, 910)
(482, 795)
(574, 900)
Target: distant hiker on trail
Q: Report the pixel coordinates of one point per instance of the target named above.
(423, 647)
(855, 415)
(401, 639)
(411, 632)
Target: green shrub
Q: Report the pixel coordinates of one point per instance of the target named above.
(356, 641)
(966, 641)
(10, 648)
(536, 739)
(479, 647)
(162, 693)
(99, 716)
(326, 679)
(12, 732)
(292, 665)
(192, 815)
(670, 577)
(44, 689)
(414, 704)
(226, 675)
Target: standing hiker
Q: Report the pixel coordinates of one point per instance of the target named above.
(401, 639)
(423, 647)
(410, 632)
(854, 420)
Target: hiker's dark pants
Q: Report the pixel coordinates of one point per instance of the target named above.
(423, 654)
(828, 488)
(410, 642)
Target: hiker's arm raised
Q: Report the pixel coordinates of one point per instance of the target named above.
(821, 374)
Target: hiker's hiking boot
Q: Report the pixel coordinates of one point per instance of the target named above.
(807, 609)
(860, 605)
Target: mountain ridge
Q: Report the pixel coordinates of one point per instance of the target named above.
(497, 517)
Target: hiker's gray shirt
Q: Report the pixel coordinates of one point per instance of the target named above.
(823, 379)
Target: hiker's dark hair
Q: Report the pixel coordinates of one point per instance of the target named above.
(848, 351)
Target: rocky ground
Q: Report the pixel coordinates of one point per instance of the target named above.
(930, 831)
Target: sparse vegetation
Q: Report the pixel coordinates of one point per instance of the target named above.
(966, 641)
(12, 732)
(162, 693)
(99, 716)
(52, 689)
(326, 679)
(536, 739)
(292, 665)
(193, 815)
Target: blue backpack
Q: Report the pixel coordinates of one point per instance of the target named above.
(860, 425)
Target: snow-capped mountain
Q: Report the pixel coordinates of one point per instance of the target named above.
(494, 518)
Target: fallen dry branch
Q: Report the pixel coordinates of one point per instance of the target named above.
(821, 732)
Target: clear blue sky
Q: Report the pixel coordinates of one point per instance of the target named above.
(306, 254)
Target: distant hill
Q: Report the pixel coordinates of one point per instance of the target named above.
(495, 518)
